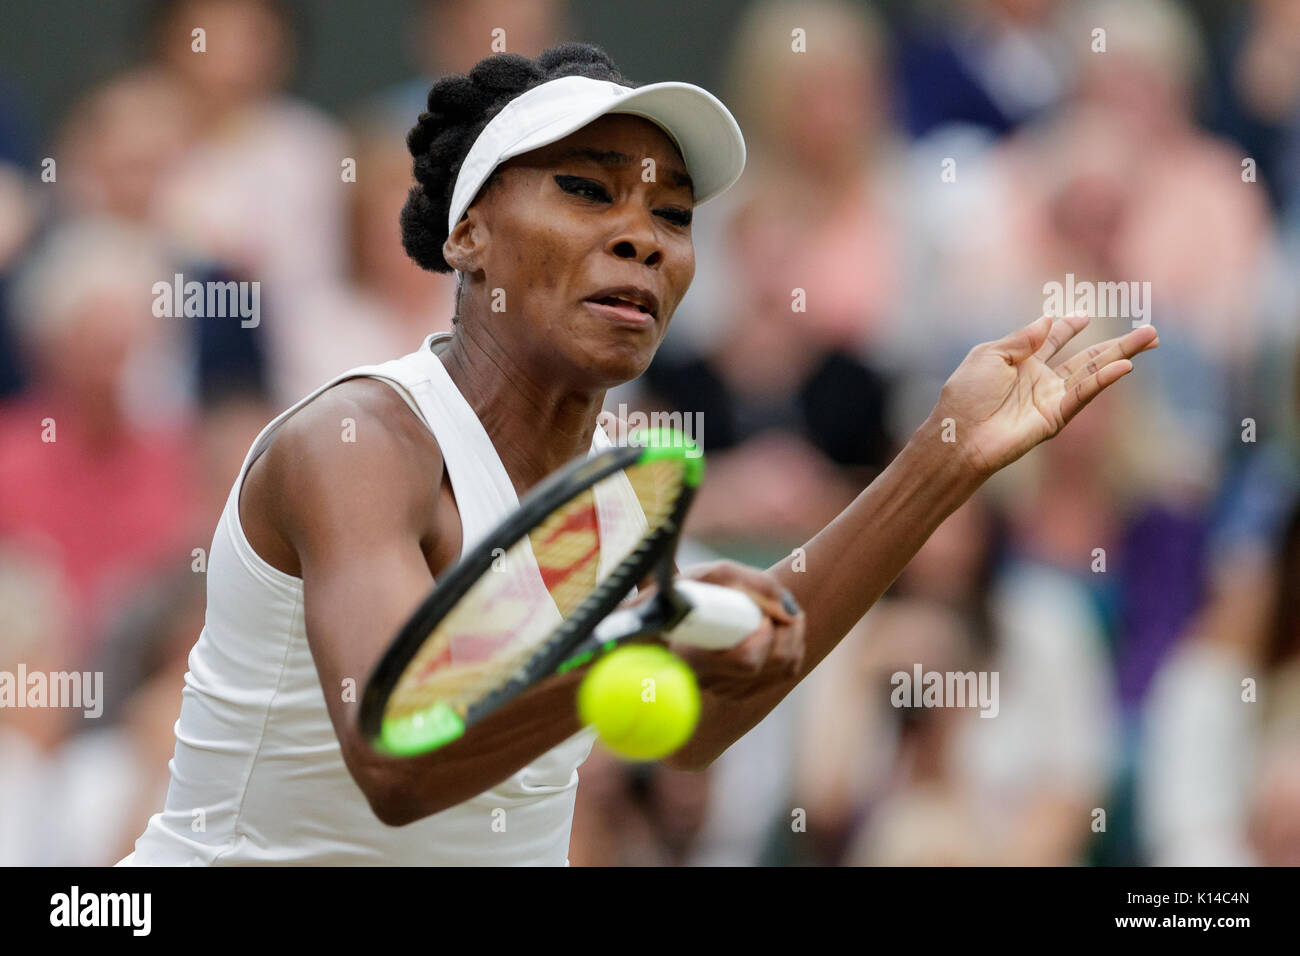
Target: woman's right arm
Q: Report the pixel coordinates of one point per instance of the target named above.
(358, 516)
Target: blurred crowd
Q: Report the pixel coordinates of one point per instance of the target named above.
(916, 178)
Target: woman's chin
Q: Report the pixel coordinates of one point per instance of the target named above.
(612, 356)
(618, 362)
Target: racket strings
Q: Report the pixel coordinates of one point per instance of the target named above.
(567, 548)
(504, 619)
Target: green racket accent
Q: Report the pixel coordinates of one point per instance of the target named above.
(581, 659)
(667, 443)
(573, 662)
(421, 732)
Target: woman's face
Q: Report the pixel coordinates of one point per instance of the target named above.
(569, 221)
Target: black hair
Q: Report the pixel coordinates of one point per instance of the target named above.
(459, 107)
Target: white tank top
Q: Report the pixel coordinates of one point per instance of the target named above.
(258, 775)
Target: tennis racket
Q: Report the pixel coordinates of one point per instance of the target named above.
(483, 635)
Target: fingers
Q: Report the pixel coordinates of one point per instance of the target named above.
(783, 656)
(1093, 359)
(1062, 331)
(766, 591)
(740, 665)
(788, 648)
(1089, 386)
(773, 653)
(1101, 366)
(1022, 343)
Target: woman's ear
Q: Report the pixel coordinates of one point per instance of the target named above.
(462, 248)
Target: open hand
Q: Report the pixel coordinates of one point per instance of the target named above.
(1009, 395)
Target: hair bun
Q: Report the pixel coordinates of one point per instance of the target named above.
(574, 59)
(422, 243)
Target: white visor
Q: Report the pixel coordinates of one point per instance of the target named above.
(704, 130)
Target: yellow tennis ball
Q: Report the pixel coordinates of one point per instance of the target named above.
(643, 700)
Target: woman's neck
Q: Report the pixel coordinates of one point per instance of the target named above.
(536, 424)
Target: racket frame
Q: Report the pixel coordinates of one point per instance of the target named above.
(570, 644)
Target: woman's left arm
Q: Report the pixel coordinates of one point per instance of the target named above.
(1006, 397)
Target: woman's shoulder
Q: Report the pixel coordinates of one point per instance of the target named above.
(356, 450)
(354, 459)
(363, 418)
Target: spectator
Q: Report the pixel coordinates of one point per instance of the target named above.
(384, 305)
(885, 786)
(261, 190)
(1212, 790)
(116, 776)
(119, 143)
(821, 183)
(95, 458)
(1257, 95)
(794, 416)
(450, 36)
(19, 215)
(33, 606)
(988, 63)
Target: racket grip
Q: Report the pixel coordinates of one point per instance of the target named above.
(720, 617)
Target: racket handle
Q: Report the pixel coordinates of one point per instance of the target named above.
(720, 617)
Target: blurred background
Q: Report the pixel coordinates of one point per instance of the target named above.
(1135, 582)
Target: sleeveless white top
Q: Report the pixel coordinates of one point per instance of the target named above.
(258, 775)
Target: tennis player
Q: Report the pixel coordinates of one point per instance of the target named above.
(532, 184)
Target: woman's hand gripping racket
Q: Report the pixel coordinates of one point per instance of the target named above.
(489, 631)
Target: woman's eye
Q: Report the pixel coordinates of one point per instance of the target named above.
(590, 189)
(582, 187)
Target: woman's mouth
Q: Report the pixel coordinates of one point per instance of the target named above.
(621, 311)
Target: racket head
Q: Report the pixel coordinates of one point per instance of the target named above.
(477, 640)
